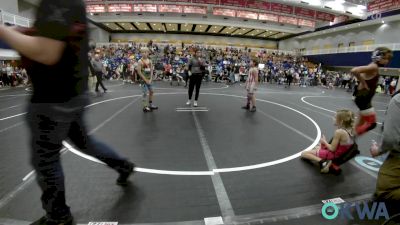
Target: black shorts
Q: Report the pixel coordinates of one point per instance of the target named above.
(363, 99)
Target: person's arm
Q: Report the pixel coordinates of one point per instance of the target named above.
(357, 71)
(190, 67)
(151, 71)
(256, 76)
(32, 47)
(104, 68)
(335, 141)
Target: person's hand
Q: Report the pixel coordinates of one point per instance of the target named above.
(374, 150)
(323, 140)
(189, 73)
(147, 81)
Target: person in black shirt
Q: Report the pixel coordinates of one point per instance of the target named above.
(55, 54)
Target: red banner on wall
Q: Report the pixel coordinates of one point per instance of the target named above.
(195, 9)
(238, 3)
(185, 1)
(144, 8)
(340, 19)
(281, 8)
(268, 17)
(255, 4)
(224, 12)
(208, 2)
(306, 23)
(304, 12)
(120, 8)
(246, 14)
(95, 8)
(170, 8)
(383, 5)
(325, 16)
(288, 20)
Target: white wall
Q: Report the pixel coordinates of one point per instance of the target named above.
(26, 9)
(379, 33)
(96, 34)
(187, 38)
(10, 6)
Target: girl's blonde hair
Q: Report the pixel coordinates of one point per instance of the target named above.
(345, 118)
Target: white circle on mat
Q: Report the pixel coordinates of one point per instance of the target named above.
(212, 172)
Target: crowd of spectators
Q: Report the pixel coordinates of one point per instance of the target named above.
(12, 76)
(228, 64)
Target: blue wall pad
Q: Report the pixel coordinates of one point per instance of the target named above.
(351, 59)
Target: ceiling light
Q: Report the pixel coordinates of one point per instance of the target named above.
(159, 28)
(363, 7)
(336, 5)
(107, 24)
(243, 29)
(169, 24)
(201, 26)
(122, 24)
(313, 2)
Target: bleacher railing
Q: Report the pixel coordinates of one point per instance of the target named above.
(12, 19)
(6, 17)
(358, 48)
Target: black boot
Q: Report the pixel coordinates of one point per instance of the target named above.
(125, 173)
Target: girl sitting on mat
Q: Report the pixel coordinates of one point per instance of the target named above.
(342, 141)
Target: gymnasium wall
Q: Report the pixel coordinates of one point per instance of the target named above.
(97, 34)
(10, 6)
(351, 59)
(370, 35)
(26, 9)
(193, 39)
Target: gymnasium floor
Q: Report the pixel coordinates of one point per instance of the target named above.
(194, 167)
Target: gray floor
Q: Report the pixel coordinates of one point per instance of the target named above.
(225, 136)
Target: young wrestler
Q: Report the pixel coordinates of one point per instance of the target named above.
(251, 86)
(342, 141)
(145, 71)
(368, 78)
